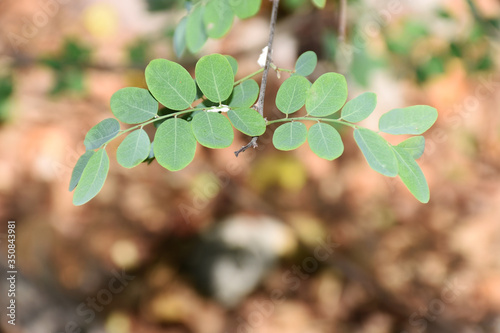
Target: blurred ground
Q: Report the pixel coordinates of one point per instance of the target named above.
(269, 241)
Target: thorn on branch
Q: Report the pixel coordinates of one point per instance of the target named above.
(252, 143)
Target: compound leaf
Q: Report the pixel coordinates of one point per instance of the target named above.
(134, 149)
(218, 18)
(306, 63)
(377, 152)
(410, 120)
(292, 94)
(212, 130)
(92, 178)
(174, 144)
(78, 169)
(244, 94)
(325, 141)
(245, 8)
(133, 105)
(101, 133)
(327, 95)
(415, 146)
(360, 107)
(290, 136)
(196, 35)
(411, 175)
(215, 77)
(247, 121)
(170, 84)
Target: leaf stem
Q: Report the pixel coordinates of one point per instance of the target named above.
(248, 76)
(337, 121)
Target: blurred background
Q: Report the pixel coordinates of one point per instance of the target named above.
(269, 241)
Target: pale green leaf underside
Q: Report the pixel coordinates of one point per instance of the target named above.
(196, 36)
(411, 175)
(327, 95)
(292, 94)
(174, 144)
(325, 141)
(360, 107)
(133, 105)
(101, 133)
(244, 94)
(410, 120)
(290, 136)
(306, 63)
(92, 178)
(247, 121)
(415, 146)
(78, 169)
(377, 152)
(170, 84)
(134, 149)
(180, 37)
(245, 8)
(215, 77)
(218, 18)
(212, 130)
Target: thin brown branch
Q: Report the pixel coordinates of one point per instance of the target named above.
(260, 102)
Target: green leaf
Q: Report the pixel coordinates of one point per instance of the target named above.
(92, 179)
(325, 141)
(306, 63)
(174, 144)
(101, 133)
(245, 8)
(290, 136)
(180, 37)
(292, 94)
(214, 76)
(247, 121)
(411, 120)
(196, 35)
(359, 108)
(244, 94)
(133, 105)
(78, 169)
(134, 149)
(170, 84)
(378, 153)
(218, 18)
(415, 146)
(212, 130)
(233, 63)
(411, 175)
(327, 95)
(319, 3)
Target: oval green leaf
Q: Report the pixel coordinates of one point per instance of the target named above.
(78, 169)
(212, 130)
(133, 105)
(245, 8)
(196, 36)
(174, 144)
(170, 84)
(415, 146)
(411, 120)
(306, 63)
(411, 175)
(325, 141)
(247, 121)
(233, 63)
(319, 3)
(290, 136)
(101, 133)
(92, 178)
(134, 149)
(244, 94)
(180, 37)
(292, 94)
(327, 95)
(215, 77)
(377, 152)
(360, 107)
(218, 18)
